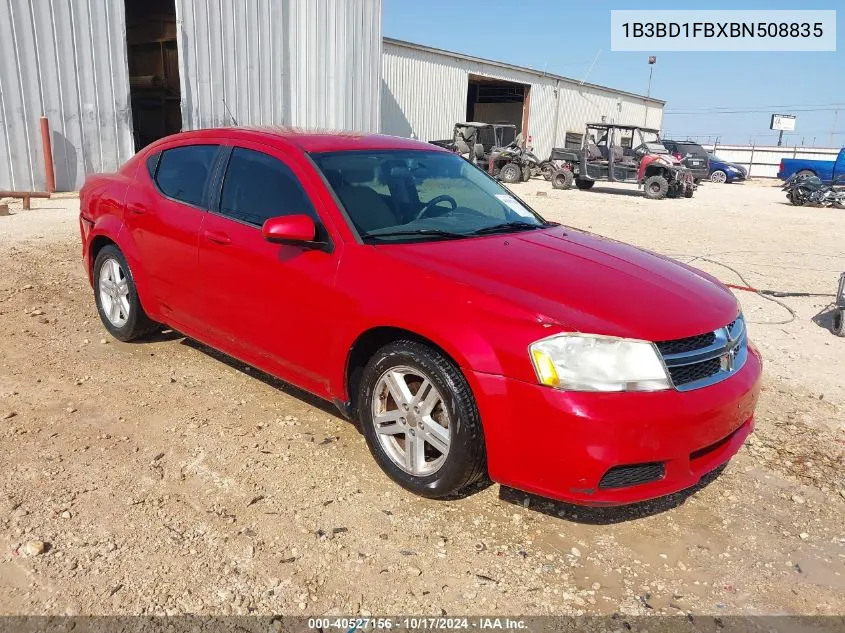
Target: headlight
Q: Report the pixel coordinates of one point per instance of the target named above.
(584, 362)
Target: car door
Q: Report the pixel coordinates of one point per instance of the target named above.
(164, 214)
(268, 303)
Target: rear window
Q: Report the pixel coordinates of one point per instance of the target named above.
(183, 172)
(691, 148)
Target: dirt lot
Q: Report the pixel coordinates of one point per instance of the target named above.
(165, 478)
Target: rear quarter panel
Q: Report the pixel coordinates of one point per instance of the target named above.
(102, 207)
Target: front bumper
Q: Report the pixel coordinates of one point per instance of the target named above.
(735, 176)
(561, 444)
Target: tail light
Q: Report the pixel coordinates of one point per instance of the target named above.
(780, 167)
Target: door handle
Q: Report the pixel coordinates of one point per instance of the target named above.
(218, 237)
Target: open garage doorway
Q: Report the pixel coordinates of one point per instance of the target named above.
(153, 60)
(498, 101)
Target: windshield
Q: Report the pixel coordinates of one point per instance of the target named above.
(651, 144)
(395, 195)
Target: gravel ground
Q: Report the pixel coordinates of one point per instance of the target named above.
(163, 478)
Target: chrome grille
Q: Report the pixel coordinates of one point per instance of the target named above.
(689, 344)
(705, 359)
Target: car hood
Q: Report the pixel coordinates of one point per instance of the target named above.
(580, 282)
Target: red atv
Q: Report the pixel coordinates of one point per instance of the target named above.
(625, 153)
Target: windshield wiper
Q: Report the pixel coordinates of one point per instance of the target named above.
(508, 227)
(413, 233)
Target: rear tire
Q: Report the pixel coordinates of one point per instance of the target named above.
(656, 187)
(510, 173)
(562, 179)
(583, 184)
(116, 297)
(405, 368)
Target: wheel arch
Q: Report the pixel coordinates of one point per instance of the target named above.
(97, 244)
(655, 170)
(368, 343)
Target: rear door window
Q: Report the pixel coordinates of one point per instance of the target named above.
(182, 172)
(258, 187)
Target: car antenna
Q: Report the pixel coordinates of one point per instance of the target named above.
(231, 116)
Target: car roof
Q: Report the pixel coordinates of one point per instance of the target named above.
(622, 126)
(307, 140)
(666, 140)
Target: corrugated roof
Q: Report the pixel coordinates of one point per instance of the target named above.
(525, 69)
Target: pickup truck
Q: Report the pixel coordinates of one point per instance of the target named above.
(826, 170)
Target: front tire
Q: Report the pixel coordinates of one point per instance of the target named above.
(117, 298)
(656, 187)
(510, 173)
(420, 420)
(719, 177)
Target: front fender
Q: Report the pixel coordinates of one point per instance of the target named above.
(470, 350)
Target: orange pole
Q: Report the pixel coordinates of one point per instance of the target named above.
(47, 147)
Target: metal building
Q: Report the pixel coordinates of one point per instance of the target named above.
(113, 75)
(425, 91)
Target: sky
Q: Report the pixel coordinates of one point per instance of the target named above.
(564, 37)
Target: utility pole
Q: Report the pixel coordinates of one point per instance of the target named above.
(780, 138)
(652, 60)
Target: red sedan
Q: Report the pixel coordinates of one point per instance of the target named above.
(465, 334)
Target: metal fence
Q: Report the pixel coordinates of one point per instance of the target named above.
(762, 161)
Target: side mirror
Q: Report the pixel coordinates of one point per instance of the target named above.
(290, 229)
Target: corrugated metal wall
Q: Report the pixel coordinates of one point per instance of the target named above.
(424, 94)
(305, 63)
(302, 63)
(80, 58)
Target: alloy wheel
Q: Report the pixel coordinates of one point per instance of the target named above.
(114, 292)
(411, 420)
(718, 176)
